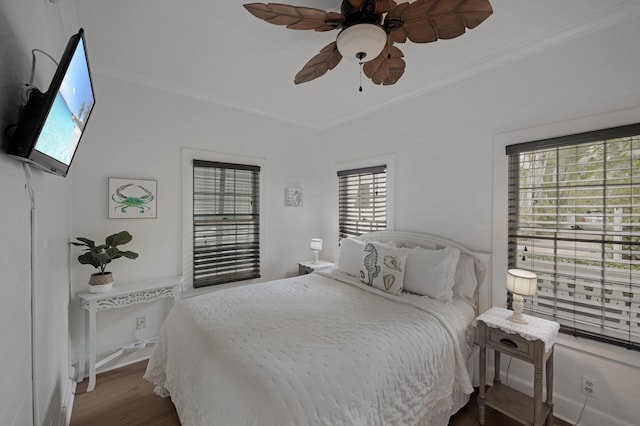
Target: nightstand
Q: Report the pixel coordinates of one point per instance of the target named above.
(311, 266)
(532, 343)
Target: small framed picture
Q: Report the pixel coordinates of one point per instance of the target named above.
(293, 197)
(132, 198)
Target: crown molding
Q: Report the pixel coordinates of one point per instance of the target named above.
(188, 92)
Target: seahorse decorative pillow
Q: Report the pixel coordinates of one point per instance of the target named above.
(383, 267)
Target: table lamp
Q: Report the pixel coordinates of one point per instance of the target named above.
(316, 246)
(520, 283)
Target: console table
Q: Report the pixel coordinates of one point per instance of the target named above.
(123, 294)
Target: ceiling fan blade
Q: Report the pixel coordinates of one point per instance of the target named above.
(451, 17)
(326, 60)
(387, 68)
(384, 6)
(295, 17)
(425, 21)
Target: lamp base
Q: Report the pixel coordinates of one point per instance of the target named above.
(315, 256)
(518, 305)
(518, 318)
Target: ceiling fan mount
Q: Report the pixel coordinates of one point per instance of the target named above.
(365, 14)
(368, 26)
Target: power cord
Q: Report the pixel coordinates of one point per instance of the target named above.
(8, 130)
(34, 263)
(33, 63)
(586, 399)
(29, 87)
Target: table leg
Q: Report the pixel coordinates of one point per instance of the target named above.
(496, 367)
(483, 380)
(92, 349)
(537, 395)
(550, 388)
(177, 293)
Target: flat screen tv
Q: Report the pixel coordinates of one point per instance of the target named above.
(52, 123)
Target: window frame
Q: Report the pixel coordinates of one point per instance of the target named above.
(231, 256)
(513, 257)
(371, 175)
(188, 155)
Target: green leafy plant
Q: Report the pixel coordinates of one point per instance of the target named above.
(99, 256)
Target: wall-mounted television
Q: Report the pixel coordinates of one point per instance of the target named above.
(51, 124)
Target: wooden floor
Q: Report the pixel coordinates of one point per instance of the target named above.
(123, 397)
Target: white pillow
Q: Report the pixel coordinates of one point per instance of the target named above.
(466, 281)
(431, 272)
(383, 267)
(350, 256)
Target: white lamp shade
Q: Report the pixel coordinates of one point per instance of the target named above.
(521, 282)
(316, 244)
(369, 39)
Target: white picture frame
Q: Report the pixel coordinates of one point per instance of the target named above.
(132, 198)
(293, 197)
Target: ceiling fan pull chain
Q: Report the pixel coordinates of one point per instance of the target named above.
(360, 56)
(388, 46)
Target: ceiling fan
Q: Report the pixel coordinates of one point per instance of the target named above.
(369, 29)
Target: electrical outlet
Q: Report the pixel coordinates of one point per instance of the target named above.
(141, 322)
(588, 386)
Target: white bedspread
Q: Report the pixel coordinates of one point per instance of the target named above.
(310, 350)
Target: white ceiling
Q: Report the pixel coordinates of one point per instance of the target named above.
(216, 51)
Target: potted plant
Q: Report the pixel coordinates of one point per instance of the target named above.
(99, 256)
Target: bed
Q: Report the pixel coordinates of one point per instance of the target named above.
(346, 347)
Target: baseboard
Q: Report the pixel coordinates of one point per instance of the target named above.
(67, 403)
(127, 358)
(567, 409)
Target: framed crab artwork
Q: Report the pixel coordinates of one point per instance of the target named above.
(132, 198)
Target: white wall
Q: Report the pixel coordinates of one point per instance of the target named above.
(612, 403)
(447, 182)
(136, 132)
(26, 25)
(451, 176)
(447, 178)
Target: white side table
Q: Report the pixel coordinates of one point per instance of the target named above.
(311, 266)
(532, 343)
(123, 294)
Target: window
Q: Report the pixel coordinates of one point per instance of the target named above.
(362, 200)
(226, 222)
(574, 219)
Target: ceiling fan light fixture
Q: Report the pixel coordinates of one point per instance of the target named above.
(367, 26)
(359, 39)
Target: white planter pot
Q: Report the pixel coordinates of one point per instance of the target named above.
(101, 283)
(100, 288)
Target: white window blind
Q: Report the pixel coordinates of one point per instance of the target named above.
(362, 200)
(226, 222)
(574, 219)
